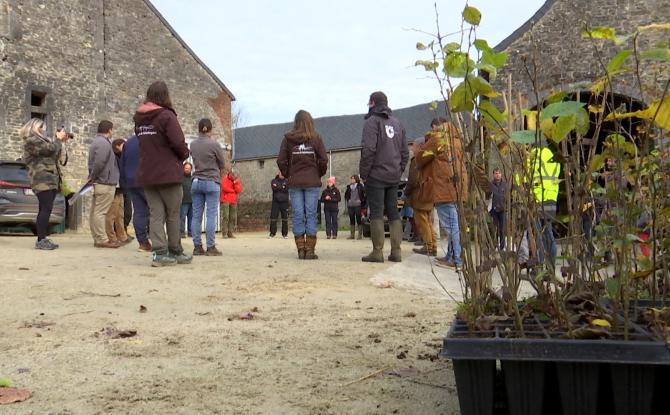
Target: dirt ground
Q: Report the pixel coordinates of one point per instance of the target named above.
(318, 328)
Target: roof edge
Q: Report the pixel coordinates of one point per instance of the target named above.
(188, 48)
(505, 43)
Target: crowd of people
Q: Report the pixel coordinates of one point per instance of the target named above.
(168, 187)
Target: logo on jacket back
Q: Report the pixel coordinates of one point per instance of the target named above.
(390, 132)
(146, 130)
(303, 149)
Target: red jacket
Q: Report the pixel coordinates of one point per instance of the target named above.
(230, 189)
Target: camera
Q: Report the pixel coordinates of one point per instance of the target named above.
(68, 134)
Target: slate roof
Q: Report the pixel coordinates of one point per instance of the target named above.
(525, 27)
(188, 49)
(339, 133)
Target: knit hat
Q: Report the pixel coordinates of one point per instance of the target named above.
(379, 98)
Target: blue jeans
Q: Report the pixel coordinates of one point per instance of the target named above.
(140, 213)
(449, 221)
(205, 195)
(303, 206)
(185, 217)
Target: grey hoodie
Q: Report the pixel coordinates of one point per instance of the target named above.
(102, 167)
(384, 152)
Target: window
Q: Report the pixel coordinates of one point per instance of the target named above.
(261, 164)
(37, 98)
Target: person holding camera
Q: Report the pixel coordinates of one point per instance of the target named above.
(41, 155)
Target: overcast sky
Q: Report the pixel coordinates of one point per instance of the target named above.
(325, 56)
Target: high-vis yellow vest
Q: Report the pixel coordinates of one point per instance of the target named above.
(545, 174)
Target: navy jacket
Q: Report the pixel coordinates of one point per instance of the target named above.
(130, 161)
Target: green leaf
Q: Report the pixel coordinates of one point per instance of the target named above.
(656, 54)
(462, 99)
(427, 65)
(451, 47)
(458, 64)
(490, 57)
(433, 105)
(490, 111)
(556, 97)
(583, 122)
(561, 108)
(597, 163)
(6, 383)
(563, 126)
(480, 86)
(524, 136)
(421, 46)
(482, 45)
(472, 15)
(490, 69)
(600, 33)
(618, 60)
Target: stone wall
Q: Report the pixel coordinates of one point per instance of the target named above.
(87, 60)
(553, 46)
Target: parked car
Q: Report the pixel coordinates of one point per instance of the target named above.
(18, 203)
(365, 220)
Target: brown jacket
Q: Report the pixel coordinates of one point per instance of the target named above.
(162, 146)
(302, 161)
(443, 176)
(412, 188)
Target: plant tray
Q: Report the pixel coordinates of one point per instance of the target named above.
(543, 343)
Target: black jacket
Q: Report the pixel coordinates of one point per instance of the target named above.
(279, 189)
(361, 194)
(384, 152)
(335, 197)
(499, 195)
(186, 184)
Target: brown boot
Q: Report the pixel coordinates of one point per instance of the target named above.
(197, 250)
(144, 246)
(309, 247)
(300, 244)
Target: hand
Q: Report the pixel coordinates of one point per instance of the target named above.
(61, 135)
(327, 197)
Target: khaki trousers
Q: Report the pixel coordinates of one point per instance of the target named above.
(114, 220)
(228, 219)
(103, 195)
(424, 223)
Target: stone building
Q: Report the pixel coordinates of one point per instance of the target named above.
(76, 62)
(550, 44)
(255, 155)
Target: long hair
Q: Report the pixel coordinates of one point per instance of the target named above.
(158, 94)
(303, 125)
(356, 178)
(32, 127)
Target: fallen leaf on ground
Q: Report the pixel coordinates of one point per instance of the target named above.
(402, 355)
(6, 383)
(254, 310)
(404, 372)
(114, 333)
(143, 309)
(410, 315)
(382, 284)
(206, 313)
(246, 316)
(601, 322)
(24, 269)
(11, 395)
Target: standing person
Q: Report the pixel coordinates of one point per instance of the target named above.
(162, 151)
(208, 159)
(115, 219)
(130, 160)
(545, 172)
(384, 155)
(231, 186)
(279, 205)
(303, 161)
(186, 210)
(422, 177)
(331, 207)
(498, 201)
(443, 158)
(41, 155)
(355, 199)
(103, 173)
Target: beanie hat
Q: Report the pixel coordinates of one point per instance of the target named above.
(379, 98)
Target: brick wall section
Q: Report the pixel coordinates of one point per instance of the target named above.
(95, 60)
(563, 57)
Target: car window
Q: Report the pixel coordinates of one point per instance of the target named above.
(14, 173)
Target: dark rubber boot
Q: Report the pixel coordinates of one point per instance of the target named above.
(377, 236)
(395, 230)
